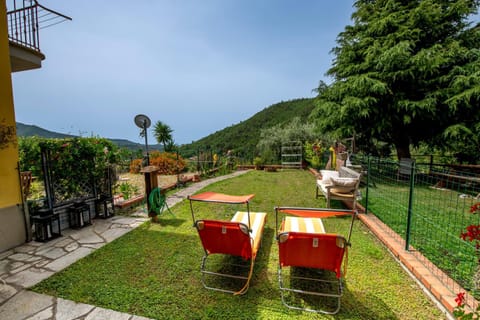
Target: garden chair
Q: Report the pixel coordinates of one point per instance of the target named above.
(339, 185)
(158, 201)
(312, 257)
(239, 237)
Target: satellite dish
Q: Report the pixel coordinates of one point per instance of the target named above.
(142, 121)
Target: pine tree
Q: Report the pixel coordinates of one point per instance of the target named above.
(405, 72)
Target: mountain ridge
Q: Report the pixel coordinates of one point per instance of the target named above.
(28, 130)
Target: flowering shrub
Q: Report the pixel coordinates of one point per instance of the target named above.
(313, 153)
(460, 313)
(472, 234)
(475, 208)
(166, 161)
(136, 165)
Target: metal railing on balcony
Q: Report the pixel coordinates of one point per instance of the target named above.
(24, 23)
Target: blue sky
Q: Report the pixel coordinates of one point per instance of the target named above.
(197, 65)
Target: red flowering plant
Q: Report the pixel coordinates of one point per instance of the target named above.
(313, 153)
(471, 234)
(460, 313)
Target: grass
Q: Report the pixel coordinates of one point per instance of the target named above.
(438, 218)
(153, 271)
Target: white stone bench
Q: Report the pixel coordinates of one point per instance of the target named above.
(338, 185)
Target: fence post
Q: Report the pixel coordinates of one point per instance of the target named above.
(410, 203)
(198, 160)
(431, 164)
(47, 178)
(368, 184)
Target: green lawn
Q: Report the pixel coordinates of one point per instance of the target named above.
(153, 271)
(439, 216)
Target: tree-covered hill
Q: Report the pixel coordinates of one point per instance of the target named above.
(243, 137)
(27, 130)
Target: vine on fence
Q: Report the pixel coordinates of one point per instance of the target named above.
(73, 162)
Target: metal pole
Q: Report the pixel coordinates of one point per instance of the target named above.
(410, 203)
(26, 213)
(47, 177)
(198, 160)
(146, 141)
(191, 210)
(179, 183)
(368, 184)
(431, 164)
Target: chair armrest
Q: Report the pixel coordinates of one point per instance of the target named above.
(342, 188)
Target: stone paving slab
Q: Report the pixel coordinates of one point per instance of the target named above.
(65, 261)
(46, 314)
(5, 254)
(25, 304)
(114, 233)
(106, 314)
(6, 292)
(3, 266)
(29, 277)
(67, 309)
(87, 235)
(52, 253)
(139, 318)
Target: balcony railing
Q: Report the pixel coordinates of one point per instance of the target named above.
(24, 23)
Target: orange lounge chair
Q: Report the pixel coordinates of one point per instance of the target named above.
(303, 243)
(240, 237)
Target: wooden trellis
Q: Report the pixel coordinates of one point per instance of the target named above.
(292, 154)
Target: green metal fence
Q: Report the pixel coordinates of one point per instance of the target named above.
(428, 205)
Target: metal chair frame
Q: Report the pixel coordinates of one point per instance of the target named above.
(230, 238)
(206, 272)
(341, 242)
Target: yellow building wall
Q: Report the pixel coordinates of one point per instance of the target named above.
(12, 221)
(10, 184)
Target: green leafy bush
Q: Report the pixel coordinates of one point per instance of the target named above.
(30, 155)
(313, 153)
(72, 162)
(126, 189)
